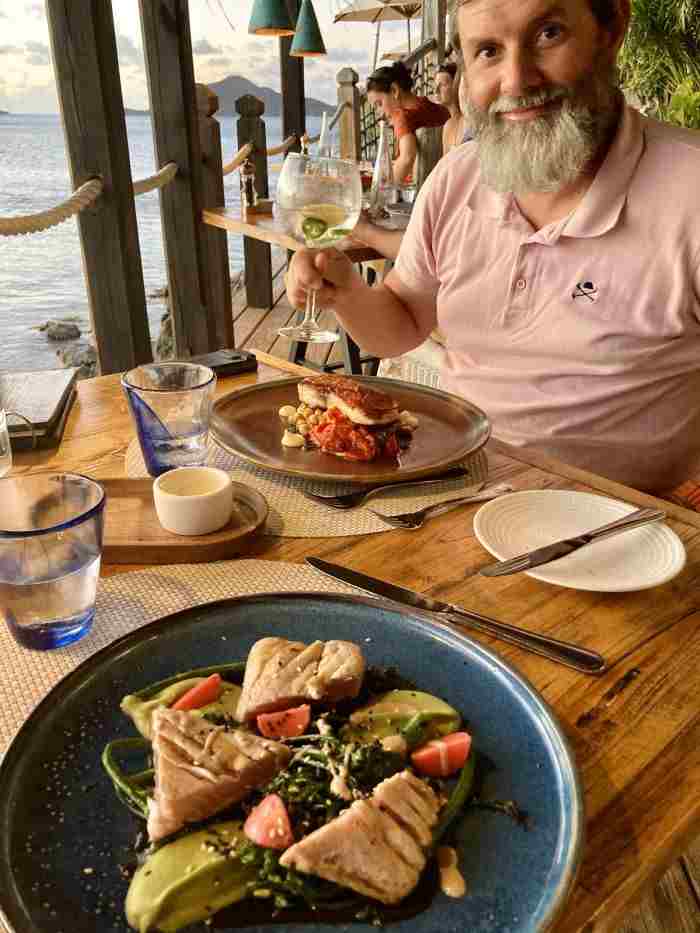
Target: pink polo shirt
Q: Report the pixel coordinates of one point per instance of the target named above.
(581, 339)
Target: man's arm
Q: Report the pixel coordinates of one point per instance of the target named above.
(403, 164)
(387, 320)
(386, 242)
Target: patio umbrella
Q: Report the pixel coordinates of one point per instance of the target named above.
(379, 11)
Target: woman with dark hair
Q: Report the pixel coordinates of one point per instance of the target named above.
(389, 91)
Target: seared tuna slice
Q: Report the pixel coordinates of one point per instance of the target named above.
(376, 847)
(280, 674)
(200, 769)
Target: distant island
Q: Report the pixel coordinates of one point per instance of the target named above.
(4, 113)
(230, 89)
(233, 87)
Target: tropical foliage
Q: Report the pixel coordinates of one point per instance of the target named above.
(660, 60)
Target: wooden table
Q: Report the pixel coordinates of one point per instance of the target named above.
(636, 738)
(266, 228)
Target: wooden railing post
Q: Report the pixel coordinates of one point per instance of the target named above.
(217, 285)
(258, 256)
(292, 85)
(84, 52)
(348, 93)
(167, 46)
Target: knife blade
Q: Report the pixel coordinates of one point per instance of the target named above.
(581, 659)
(558, 549)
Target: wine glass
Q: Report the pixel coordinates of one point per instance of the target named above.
(319, 201)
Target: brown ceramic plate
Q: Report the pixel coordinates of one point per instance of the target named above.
(450, 429)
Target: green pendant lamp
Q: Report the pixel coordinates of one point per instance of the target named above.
(270, 18)
(308, 41)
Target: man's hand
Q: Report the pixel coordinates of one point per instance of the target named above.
(328, 272)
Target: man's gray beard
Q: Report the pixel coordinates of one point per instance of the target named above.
(549, 152)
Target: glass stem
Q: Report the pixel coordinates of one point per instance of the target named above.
(310, 310)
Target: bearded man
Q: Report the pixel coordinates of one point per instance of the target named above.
(559, 253)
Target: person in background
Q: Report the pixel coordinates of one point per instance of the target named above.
(559, 252)
(389, 92)
(447, 87)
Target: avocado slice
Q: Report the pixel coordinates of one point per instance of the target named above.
(412, 714)
(140, 710)
(189, 880)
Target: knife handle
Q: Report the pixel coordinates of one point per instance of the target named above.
(563, 652)
(627, 522)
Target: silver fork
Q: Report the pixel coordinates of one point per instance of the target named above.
(414, 520)
(349, 500)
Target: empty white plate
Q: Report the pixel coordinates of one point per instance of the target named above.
(633, 560)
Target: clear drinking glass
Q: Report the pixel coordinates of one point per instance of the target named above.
(171, 405)
(50, 549)
(5, 445)
(319, 201)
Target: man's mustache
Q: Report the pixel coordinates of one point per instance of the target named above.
(537, 99)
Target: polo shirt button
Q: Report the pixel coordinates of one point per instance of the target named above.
(521, 284)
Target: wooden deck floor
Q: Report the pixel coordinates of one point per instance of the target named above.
(673, 906)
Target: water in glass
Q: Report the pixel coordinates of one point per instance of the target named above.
(50, 550)
(319, 201)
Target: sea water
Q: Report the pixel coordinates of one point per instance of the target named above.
(41, 276)
(54, 609)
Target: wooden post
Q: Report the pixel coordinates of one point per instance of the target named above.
(292, 81)
(258, 256)
(84, 53)
(217, 285)
(167, 45)
(349, 123)
(441, 30)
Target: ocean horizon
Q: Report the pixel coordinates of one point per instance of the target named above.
(41, 275)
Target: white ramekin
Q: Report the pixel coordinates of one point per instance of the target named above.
(193, 500)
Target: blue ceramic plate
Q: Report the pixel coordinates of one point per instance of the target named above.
(63, 834)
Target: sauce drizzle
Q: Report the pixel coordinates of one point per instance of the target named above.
(451, 881)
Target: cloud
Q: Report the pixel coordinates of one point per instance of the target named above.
(35, 9)
(37, 53)
(129, 53)
(204, 47)
(222, 61)
(10, 49)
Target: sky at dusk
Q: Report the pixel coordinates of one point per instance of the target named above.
(27, 83)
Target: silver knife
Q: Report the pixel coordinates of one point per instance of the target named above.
(550, 552)
(581, 659)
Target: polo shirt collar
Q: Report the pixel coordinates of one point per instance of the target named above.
(600, 209)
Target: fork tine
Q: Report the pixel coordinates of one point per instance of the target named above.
(398, 521)
(512, 566)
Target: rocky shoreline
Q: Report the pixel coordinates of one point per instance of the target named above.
(80, 352)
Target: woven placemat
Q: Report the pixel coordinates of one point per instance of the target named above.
(127, 601)
(294, 516)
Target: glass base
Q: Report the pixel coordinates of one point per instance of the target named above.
(309, 334)
(45, 635)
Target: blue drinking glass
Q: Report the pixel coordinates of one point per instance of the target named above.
(51, 527)
(170, 404)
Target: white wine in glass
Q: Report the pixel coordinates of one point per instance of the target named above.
(319, 201)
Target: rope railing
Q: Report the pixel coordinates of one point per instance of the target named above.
(284, 147)
(334, 119)
(88, 192)
(238, 159)
(81, 198)
(159, 179)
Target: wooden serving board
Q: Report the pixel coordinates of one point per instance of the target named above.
(133, 534)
